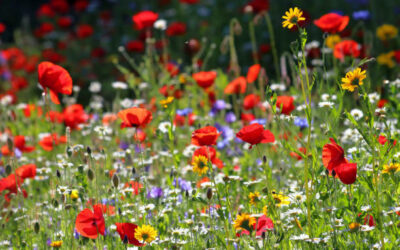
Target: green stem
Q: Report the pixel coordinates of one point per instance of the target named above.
(273, 45)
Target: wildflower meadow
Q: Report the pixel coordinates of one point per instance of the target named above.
(199, 124)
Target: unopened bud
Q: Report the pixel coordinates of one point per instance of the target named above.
(69, 151)
(58, 173)
(115, 180)
(36, 227)
(209, 193)
(90, 174)
(8, 169)
(89, 150)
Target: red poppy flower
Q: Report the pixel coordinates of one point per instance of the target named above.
(60, 6)
(89, 224)
(81, 5)
(74, 115)
(347, 172)
(48, 142)
(332, 155)
(346, 48)
(135, 117)
(55, 116)
(136, 186)
(211, 155)
(18, 83)
(205, 136)
(332, 22)
(56, 78)
(26, 171)
(382, 140)
(45, 10)
(127, 233)
(176, 29)
(106, 209)
(10, 183)
(2, 28)
(255, 134)
(250, 101)
(135, 46)
(285, 104)
(19, 142)
(53, 56)
(258, 5)
(205, 78)
(64, 22)
(84, 31)
(236, 86)
(253, 72)
(382, 103)
(32, 108)
(296, 155)
(144, 19)
(397, 55)
(247, 117)
(262, 225)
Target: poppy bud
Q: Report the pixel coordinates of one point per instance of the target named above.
(265, 159)
(89, 150)
(115, 180)
(327, 172)
(133, 170)
(125, 239)
(69, 151)
(209, 193)
(8, 169)
(172, 173)
(10, 143)
(90, 174)
(263, 235)
(58, 173)
(187, 193)
(36, 227)
(192, 46)
(333, 173)
(55, 203)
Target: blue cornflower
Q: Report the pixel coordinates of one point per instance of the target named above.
(361, 15)
(301, 122)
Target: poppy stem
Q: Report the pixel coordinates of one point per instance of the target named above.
(273, 45)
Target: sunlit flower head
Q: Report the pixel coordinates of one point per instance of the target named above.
(200, 164)
(386, 32)
(244, 222)
(353, 79)
(332, 40)
(167, 101)
(254, 197)
(145, 233)
(292, 17)
(391, 168)
(386, 59)
(56, 244)
(280, 200)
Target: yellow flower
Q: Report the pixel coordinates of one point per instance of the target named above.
(254, 197)
(56, 244)
(182, 78)
(332, 40)
(386, 32)
(391, 169)
(292, 17)
(354, 226)
(353, 79)
(244, 221)
(167, 101)
(74, 194)
(145, 233)
(200, 164)
(265, 210)
(386, 59)
(280, 199)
